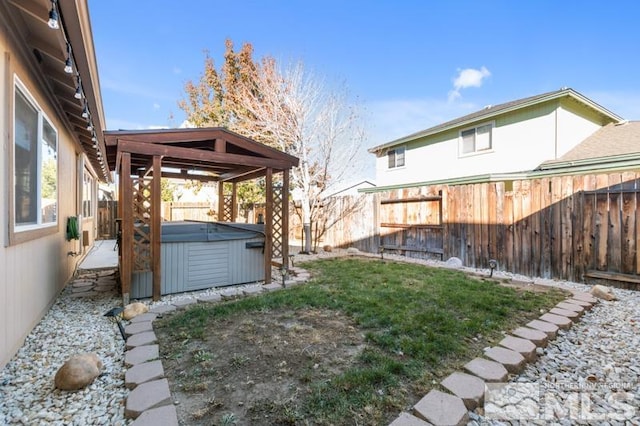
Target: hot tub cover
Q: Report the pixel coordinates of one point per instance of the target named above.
(191, 231)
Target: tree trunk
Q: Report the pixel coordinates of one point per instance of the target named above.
(306, 229)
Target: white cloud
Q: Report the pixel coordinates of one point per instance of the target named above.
(156, 106)
(468, 77)
(177, 70)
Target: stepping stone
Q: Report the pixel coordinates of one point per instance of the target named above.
(570, 307)
(292, 283)
(586, 305)
(572, 315)
(524, 347)
(147, 396)
(138, 327)
(82, 284)
(162, 309)
(142, 373)
(252, 291)
(466, 387)
(513, 361)
(230, 293)
(559, 320)
(161, 416)
(84, 294)
(545, 327)
(586, 297)
(141, 354)
(148, 316)
(441, 408)
(183, 303)
(489, 371)
(406, 419)
(209, 298)
(141, 339)
(272, 287)
(539, 338)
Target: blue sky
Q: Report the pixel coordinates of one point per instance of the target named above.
(408, 64)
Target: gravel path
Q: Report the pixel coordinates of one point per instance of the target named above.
(589, 374)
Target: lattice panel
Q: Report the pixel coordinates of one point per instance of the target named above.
(141, 224)
(277, 222)
(227, 209)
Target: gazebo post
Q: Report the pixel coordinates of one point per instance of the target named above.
(234, 202)
(220, 201)
(156, 232)
(285, 218)
(268, 226)
(126, 240)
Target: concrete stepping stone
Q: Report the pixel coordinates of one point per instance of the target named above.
(539, 338)
(489, 371)
(162, 309)
(82, 284)
(513, 361)
(161, 416)
(559, 320)
(141, 354)
(183, 303)
(571, 307)
(524, 347)
(546, 327)
(586, 305)
(84, 294)
(142, 373)
(572, 315)
(441, 408)
(141, 339)
(230, 293)
(292, 283)
(586, 297)
(272, 287)
(466, 387)
(147, 316)
(406, 419)
(147, 396)
(209, 298)
(252, 291)
(138, 327)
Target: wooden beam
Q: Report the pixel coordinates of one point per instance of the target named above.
(220, 145)
(268, 226)
(156, 230)
(187, 176)
(285, 218)
(241, 175)
(234, 202)
(126, 240)
(199, 155)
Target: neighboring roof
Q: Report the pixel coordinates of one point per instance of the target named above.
(358, 185)
(205, 154)
(492, 111)
(46, 51)
(612, 140)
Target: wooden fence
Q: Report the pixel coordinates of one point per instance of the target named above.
(567, 227)
(176, 211)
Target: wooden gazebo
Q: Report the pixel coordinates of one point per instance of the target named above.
(140, 158)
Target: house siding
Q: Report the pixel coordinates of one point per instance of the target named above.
(32, 273)
(521, 141)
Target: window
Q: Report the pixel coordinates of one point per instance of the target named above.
(396, 157)
(35, 166)
(476, 139)
(87, 194)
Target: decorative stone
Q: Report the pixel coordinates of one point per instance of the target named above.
(134, 309)
(559, 320)
(149, 316)
(513, 361)
(161, 416)
(603, 292)
(524, 347)
(353, 250)
(138, 327)
(586, 305)
(546, 327)
(141, 354)
(571, 307)
(183, 303)
(162, 309)
(147, 396)
(489, 371)
(453, 263)
(579, 295)
(78, 372)
(230, 293)
(406, 419)
(466, 387)
(142, 373)
(539, 338)
(252, 291)
(441, 408)
(209, 298)
(141, 339)
(272, 287)
(572, 315)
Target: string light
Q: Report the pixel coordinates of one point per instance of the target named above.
(68, 64)
(85, 112)
(78, 94)
(53, 17)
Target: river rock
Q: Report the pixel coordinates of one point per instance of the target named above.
(78, 372)
(603, 292)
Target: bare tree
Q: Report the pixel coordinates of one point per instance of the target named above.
(290, 109)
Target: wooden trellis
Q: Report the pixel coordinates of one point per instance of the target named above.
(277, 221)
(142, 224)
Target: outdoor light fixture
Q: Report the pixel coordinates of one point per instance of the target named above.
(381, 250)
(115, 315)
(85, 112)
(78, 94)
(283, 272)
(89, 126)
(68, 64)
(53, 17)
(291, 260)
(493, 264)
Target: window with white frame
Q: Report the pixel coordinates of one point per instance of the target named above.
(88, 194)
(476, 139)
(395, 157)
(35, 165)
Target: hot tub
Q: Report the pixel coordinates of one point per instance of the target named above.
(201, 255)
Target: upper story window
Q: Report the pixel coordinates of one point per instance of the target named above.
(476, 139)
(35, 165)
(396, 157)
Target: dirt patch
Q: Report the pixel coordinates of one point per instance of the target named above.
(256, 370)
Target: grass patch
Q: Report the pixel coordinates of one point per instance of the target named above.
(419, 324)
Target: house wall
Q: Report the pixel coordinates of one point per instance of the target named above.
(521, 141)
(32, 273)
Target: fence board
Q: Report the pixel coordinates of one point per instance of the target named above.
(628, 238)
(508, 263)
(536, 228)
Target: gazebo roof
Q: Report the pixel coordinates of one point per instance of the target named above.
(206, 154)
